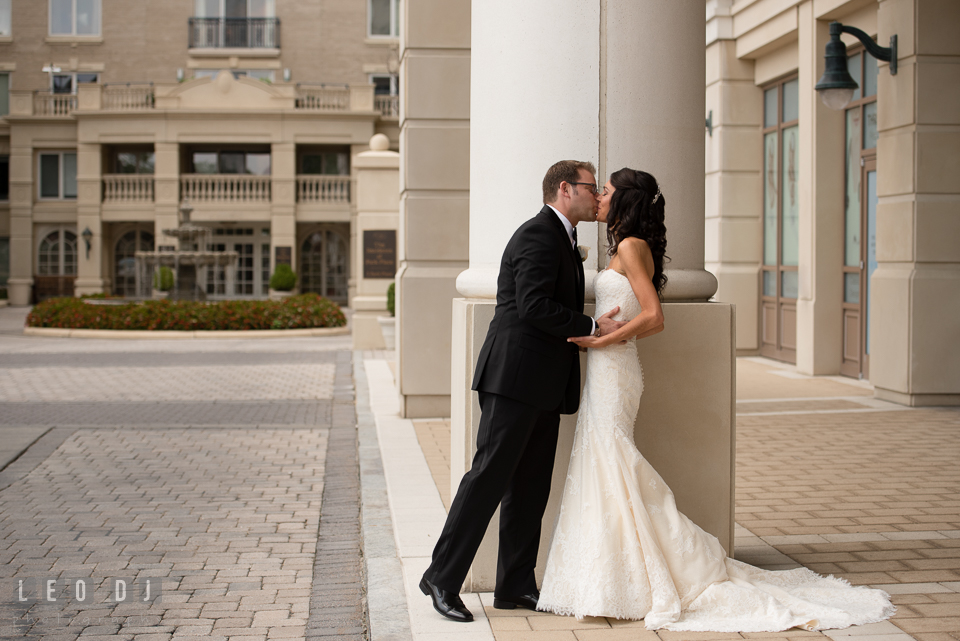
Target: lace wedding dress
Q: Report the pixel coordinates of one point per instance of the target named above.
(622, 549)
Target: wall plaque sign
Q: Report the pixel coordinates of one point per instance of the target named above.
(282, 255)
(379, 253)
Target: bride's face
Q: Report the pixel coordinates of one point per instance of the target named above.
(604, 208)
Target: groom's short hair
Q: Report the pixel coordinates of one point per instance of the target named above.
(563, 171)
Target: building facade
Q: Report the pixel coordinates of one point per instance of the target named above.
(114, 114)
(835, 231)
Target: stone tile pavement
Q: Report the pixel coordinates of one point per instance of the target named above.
(828, 478)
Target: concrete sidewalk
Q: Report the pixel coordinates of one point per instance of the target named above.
(827, 477)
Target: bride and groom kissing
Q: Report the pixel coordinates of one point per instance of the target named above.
(620, 548)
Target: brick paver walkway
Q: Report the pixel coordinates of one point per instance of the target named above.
(829, 478)
(214, 466)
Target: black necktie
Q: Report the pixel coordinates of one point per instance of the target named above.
(574, 237)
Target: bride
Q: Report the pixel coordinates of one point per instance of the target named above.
(621, 548)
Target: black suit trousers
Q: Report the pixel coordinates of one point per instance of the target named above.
(516, 445)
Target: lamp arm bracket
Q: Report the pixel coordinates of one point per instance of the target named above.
(886, 54)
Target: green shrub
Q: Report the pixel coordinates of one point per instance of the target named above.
(283, 279)
(163, 279)
(391, 298)
(306, 310)
(3, 293)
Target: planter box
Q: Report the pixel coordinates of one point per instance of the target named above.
(388, 327)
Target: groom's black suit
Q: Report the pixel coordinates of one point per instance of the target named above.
(527, 375)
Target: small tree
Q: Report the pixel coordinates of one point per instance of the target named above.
(163, 279)
(284, 279)
(391, 299)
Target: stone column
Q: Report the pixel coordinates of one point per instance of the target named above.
(434, 189)
(90, 277)
(283, 203)
(734, 189)
(22, 241)
(166, 190)
(568, 79)
(376, 198)
(915, 315)
(821, 197)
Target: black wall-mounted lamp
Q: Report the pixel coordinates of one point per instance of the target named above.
(87, 235)
(836, 86)
(709, 123)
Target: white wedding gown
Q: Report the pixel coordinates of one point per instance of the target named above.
(622, 549)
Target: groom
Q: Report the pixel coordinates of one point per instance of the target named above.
(527, 376)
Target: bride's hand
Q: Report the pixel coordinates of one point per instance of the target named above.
(585, 342)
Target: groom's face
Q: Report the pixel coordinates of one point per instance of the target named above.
(583, 201)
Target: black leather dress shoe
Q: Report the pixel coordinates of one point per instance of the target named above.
(446, 603)
(528, 601)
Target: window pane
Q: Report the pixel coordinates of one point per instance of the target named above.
(770, 283)
(261, 9)
(4, 17)
(871, 241)
(258, 164)
(852, 194)
(207, 8)
(381, 85)
(63, 84)
(88, 17)
(145, 161)
(853, 68)
(770, 191)
(4, 261)
(791, 100)
(87, 78)
(235, 8)
(790, 199)
(379, 17)
(870, 125)
(69, 253)
(127, 163)
(851, 288)
(870, 77)
(788, 284)
(770, 107)
(69, 175)
(4, 94)
(61, 17)
(48, 258)
(231, 162)
(204, 162)
(49, 176)
(312, 164)
(4, 178)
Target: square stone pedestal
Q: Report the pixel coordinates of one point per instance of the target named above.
(685, 426)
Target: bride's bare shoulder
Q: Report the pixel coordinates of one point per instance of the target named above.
(633, 247)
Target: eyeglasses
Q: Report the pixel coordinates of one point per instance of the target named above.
(592, 186)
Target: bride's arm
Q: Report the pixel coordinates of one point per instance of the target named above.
(636, 261)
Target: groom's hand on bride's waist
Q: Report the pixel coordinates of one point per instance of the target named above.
(606, 326)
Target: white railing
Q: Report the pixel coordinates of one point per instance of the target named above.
(225, 188)
(46, 103)
(388, 106)
(323, 98)
(127, 188)
(129, 97)
(323, 189)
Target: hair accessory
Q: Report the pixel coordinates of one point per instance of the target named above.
(656, 196)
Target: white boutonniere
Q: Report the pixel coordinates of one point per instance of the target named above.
(583, 251)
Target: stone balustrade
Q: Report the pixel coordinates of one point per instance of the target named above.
(46, 103)
(323, 97)
(225, 188)
(127, 188)
(388, 106)
(128, 97)
(323, 189)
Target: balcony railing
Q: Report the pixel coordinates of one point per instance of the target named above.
(246, 33)
(225, 188)
(127, 188)
(323, 189)
(46, 103)
(323, 97)
(388, 106)
(128, 97)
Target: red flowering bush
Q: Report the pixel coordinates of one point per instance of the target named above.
(306, 310)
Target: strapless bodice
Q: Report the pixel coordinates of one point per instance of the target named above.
(613, 288)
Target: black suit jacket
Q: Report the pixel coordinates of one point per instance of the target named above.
(526, 355)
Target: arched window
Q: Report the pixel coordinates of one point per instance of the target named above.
(57, 254)
(323, 265)
(125, 277)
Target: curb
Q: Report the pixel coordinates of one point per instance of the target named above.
(121, 334)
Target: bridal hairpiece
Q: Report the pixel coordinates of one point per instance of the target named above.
(656, 197)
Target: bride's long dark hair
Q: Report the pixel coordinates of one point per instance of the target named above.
(633, 213)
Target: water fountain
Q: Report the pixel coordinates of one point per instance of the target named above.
(186, 259)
